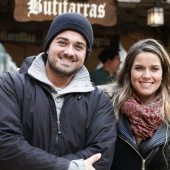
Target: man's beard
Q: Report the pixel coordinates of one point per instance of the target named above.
(63, 73)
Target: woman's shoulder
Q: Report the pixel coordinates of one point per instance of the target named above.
(108, 89)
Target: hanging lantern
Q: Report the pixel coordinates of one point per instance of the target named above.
(155, 16)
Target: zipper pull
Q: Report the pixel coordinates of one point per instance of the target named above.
(143, 164)
(58, 127)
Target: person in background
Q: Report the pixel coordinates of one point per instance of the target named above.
(141, 100)
(51, 116)
(110, 59)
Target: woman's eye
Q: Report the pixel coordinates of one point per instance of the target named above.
(139, 68)
(155, 69)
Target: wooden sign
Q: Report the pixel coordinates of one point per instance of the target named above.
(101, 12)
(106, 41)
(20, 36)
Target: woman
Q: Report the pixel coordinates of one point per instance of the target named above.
(141, 100)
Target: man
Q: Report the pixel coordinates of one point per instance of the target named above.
(51, 117)
(110, 59)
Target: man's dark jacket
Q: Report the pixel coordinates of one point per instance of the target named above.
(29, 137)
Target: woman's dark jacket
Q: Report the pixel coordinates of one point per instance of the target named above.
(149, 154)
(29, 137)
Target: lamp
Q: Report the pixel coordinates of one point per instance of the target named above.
(155, 16)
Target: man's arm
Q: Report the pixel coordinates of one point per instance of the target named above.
(100, 135)
(84, 164)
(15, 152)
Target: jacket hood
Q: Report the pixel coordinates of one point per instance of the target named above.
(35, 67)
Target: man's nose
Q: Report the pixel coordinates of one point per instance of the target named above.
(69, 50)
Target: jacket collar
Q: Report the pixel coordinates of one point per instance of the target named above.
(159, 137)
(80, 82)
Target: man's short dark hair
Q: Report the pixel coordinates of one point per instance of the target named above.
(108, 53)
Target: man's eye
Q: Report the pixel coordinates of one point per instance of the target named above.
(62, 43)
(79, 47)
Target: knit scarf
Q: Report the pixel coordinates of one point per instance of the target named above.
(144, 119)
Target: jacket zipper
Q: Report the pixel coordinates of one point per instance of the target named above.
(58, 135)
(143, 160)
(58, 127)
(143, 164)
(59, 130)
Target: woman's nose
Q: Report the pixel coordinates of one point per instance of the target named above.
(146, 74)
